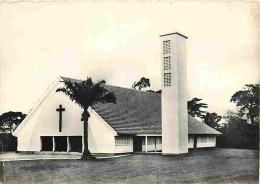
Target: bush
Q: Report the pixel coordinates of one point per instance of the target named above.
(8, 142)
(239, 134)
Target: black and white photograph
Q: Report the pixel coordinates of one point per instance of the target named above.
(129, 92)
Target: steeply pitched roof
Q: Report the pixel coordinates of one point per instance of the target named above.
(139, 112)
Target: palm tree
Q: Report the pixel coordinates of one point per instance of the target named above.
(86, 94)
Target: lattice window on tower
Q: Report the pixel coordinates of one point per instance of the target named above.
(167, 63)
(167, 79)
(166, 47)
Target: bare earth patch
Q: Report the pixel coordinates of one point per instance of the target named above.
(202, 166)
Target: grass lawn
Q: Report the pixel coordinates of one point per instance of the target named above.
(202, 166)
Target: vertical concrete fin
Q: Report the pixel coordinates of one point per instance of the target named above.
(174, 94)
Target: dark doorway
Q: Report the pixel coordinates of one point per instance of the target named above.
(47, 144)
(195, 143)
(137, 144)
(60, 143)
(75, 144)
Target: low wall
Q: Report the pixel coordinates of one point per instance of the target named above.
(152, 147)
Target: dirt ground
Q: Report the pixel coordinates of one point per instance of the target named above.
(201, 166)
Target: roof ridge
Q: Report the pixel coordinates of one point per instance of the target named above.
(112, 86)
(133, 89)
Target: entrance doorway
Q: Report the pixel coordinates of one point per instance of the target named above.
(47, 143)
(137, 144)
(75, 143)
(60, 143)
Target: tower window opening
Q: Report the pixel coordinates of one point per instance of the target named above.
(167, 79)
(167, 63)
(166, 47)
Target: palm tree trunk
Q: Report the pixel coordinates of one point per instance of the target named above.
(86, 153)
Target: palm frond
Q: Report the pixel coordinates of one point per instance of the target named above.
(87, 93)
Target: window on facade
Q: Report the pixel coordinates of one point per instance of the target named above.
(211, 139)
(152, 140)
(167, 63)
(190, 139)
(202, 139)
(158, 140)
(122, 141)
(166, 47)
(167, 79)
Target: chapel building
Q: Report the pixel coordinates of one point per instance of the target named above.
(139, 121)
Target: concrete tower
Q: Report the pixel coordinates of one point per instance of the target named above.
(174, 94)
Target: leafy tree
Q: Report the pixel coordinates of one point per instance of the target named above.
(142, 83)
(86, 94)
(9, 121)
(247, 100)
(212, 119)
(194, 108)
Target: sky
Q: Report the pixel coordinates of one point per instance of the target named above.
(119, 42)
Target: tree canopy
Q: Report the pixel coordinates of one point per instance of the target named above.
(9, 121)
(195, 108)
(212, 119)
(142, 83)
(87, 93)
(247, 100)
(241, 129)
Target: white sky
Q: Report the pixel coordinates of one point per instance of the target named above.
(119, 42)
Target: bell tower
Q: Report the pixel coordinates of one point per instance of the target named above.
(174, 94)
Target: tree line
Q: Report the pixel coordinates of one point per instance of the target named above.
(9, 121)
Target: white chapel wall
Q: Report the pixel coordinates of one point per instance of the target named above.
(101, 137)
(45, 121)
(25, 135)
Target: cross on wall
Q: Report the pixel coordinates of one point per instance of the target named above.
(60, 110)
